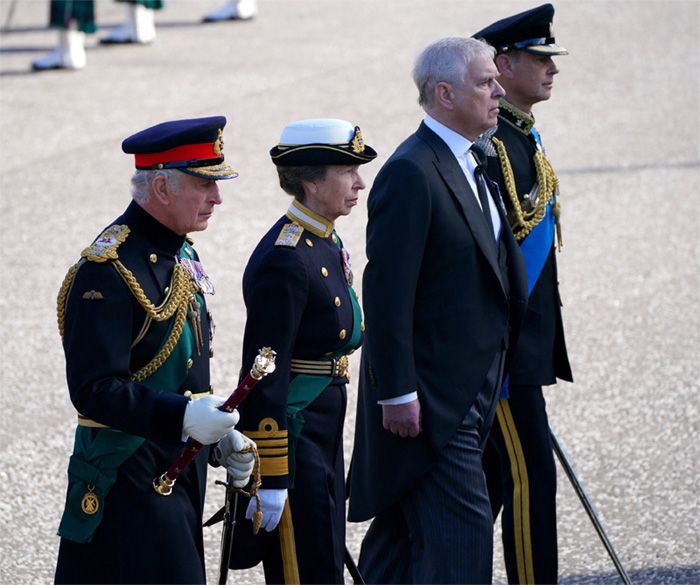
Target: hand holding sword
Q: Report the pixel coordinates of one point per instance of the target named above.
(264, 364)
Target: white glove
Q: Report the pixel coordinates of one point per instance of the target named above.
(238, 465)
(204, 422)
(271, 505)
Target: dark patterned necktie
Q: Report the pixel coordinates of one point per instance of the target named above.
(480, 178)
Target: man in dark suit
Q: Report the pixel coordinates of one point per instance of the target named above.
(443, 293)
(520, 438)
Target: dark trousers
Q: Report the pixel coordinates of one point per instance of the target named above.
(442, 530)
(521, 476)
(317, 501)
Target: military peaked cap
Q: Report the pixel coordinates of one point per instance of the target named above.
(529, 31)
(193, 146)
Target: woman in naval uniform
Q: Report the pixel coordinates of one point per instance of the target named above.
(298, 293)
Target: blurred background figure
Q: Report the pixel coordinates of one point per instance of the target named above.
(75, 18)
(233, 10)
(138, 26)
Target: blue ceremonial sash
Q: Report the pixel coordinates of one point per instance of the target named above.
(538, 243)
(536, 247)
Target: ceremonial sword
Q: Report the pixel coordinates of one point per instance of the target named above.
(588, 506)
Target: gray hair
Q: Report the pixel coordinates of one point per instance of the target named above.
(141, 182)
(446, 60)
(291, 178)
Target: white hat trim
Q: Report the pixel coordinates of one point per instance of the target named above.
(317, 131)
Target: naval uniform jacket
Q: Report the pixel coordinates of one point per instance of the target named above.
(541, 355)
(436, 310)
(297, 295)
(143, 537)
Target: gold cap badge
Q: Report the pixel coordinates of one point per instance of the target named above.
(358, 143)
(219, 143)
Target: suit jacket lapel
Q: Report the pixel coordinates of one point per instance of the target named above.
(452, 174)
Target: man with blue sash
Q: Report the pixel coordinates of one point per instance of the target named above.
(137, 337)
(298, 292)
(518, 462)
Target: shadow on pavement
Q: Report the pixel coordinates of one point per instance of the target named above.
(656, 575)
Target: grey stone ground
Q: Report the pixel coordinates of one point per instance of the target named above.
(622, 130)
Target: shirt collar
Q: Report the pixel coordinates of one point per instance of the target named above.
(457, 143)
(315, 223)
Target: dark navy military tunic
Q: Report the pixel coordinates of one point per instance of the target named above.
(143, 537)
(541, 355)
(520, 436)
(298, 302)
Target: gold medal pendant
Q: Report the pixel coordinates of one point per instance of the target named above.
(90, 503)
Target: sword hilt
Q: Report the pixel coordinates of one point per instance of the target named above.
(264, 364)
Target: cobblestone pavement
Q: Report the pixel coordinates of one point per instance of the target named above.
(622, 131)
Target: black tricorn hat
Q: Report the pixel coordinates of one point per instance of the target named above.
(323, 141)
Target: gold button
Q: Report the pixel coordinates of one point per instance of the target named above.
(342, 334)
(188, 394)
(334, 238)
(167, 290)
(324, 271)
(189, 363)
(153, 258)
(309, 243)
(362, 326)
(337, 301)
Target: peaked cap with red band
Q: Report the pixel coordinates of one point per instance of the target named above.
(193, 146)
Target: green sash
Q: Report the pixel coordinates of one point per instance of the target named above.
(305, 388)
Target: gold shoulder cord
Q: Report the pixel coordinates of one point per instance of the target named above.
(181, 291)
(63, 297)
(524, 221)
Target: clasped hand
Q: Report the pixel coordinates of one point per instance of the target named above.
(403, 420)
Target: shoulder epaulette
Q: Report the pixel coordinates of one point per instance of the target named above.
(105, 247)
(289, 236)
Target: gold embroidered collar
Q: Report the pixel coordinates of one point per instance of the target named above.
(516, 117)
(309, 220)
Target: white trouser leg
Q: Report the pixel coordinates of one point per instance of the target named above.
(69, 54)
(138, 27)
(233, 10)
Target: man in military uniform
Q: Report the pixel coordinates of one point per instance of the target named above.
(298, 293)
(137, 338)
(519, 463)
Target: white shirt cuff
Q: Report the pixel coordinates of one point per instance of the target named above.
(403, 399)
